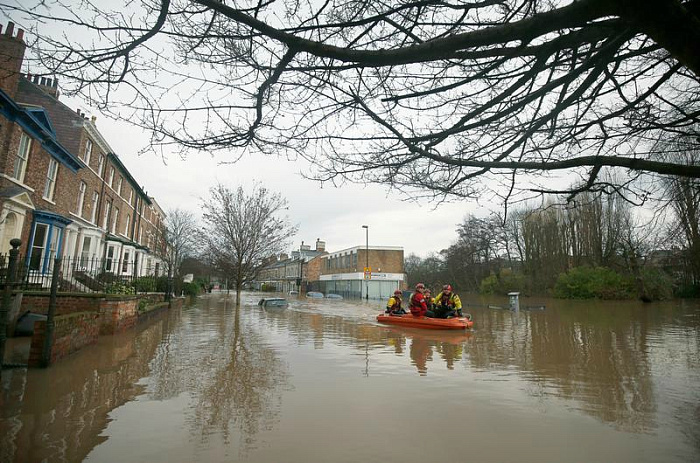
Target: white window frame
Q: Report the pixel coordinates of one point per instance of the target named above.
(109, 263)
(95, 203)
(116, 221)
(110, 179)
(51, 176)
(126, 227)
(119, 185)
(88, 152)
(125, 261)
(101, 165)
(22, 157)
(81, 199)
(105, 220)
(36, 260)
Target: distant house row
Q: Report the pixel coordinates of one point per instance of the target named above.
(340, 272)
(63, 190)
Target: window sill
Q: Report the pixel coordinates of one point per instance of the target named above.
(17, 182)
(48, 200)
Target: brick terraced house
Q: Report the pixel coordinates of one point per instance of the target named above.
(63, 190)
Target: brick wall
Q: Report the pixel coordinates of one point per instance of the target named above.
(12, 49)
(380, 260)
(65, 304)
(117, 315)
(72, 332)
(312, 269)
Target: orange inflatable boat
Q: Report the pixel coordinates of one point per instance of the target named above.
(408, 320)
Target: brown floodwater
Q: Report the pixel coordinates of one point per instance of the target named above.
(321, 381)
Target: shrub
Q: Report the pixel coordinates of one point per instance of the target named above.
(268, 288)
(144, 284)
(658, 284)
(119, 287)
(503, 283)
(594, 283)
(190, 289)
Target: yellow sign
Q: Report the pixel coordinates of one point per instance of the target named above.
(368, 269)
(368, 273)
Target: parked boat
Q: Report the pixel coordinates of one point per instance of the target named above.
(456, 323)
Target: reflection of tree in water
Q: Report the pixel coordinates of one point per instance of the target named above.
(602, 363)
(243, 391)
(234, 379)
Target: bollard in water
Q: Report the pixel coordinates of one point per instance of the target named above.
(514, 301)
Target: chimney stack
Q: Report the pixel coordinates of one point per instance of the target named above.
(11, 56)
(320, 245)
(46, 84)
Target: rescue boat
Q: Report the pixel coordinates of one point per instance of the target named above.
(408, 320)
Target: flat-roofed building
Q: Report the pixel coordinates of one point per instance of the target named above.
(343, 272)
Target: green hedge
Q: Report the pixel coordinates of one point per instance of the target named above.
(191, 289)
(594, 283)
(503, 283)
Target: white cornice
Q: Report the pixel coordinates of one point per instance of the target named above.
(97, 137)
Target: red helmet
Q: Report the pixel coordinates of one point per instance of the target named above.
(420, 286)
(447, 288)
(397, 292)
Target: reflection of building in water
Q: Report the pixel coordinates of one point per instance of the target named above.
(59, 413)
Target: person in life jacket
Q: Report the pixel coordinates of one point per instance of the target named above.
(393, 307)
(447, 303)
(429, 301)
(417, 305)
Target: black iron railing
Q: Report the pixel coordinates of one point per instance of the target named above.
(86, 275)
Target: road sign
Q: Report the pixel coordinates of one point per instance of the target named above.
(368, 273)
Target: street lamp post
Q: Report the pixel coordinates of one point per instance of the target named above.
(366, 227)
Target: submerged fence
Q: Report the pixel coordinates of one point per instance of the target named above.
(85, 275)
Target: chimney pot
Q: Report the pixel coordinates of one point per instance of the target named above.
(55, 82)
(10, 29)
(93, 119)
(43, 81)
(20, 34)
(36, 79)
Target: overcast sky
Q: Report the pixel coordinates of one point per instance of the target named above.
(335, 215)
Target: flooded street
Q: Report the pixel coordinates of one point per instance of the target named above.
(321, 381)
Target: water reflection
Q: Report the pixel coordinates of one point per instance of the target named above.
(58, 414)
(228, 372)
(599, 356)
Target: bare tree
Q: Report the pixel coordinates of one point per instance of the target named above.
(242, 230)
(684, 198)
(181, 235)
(449, 97)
